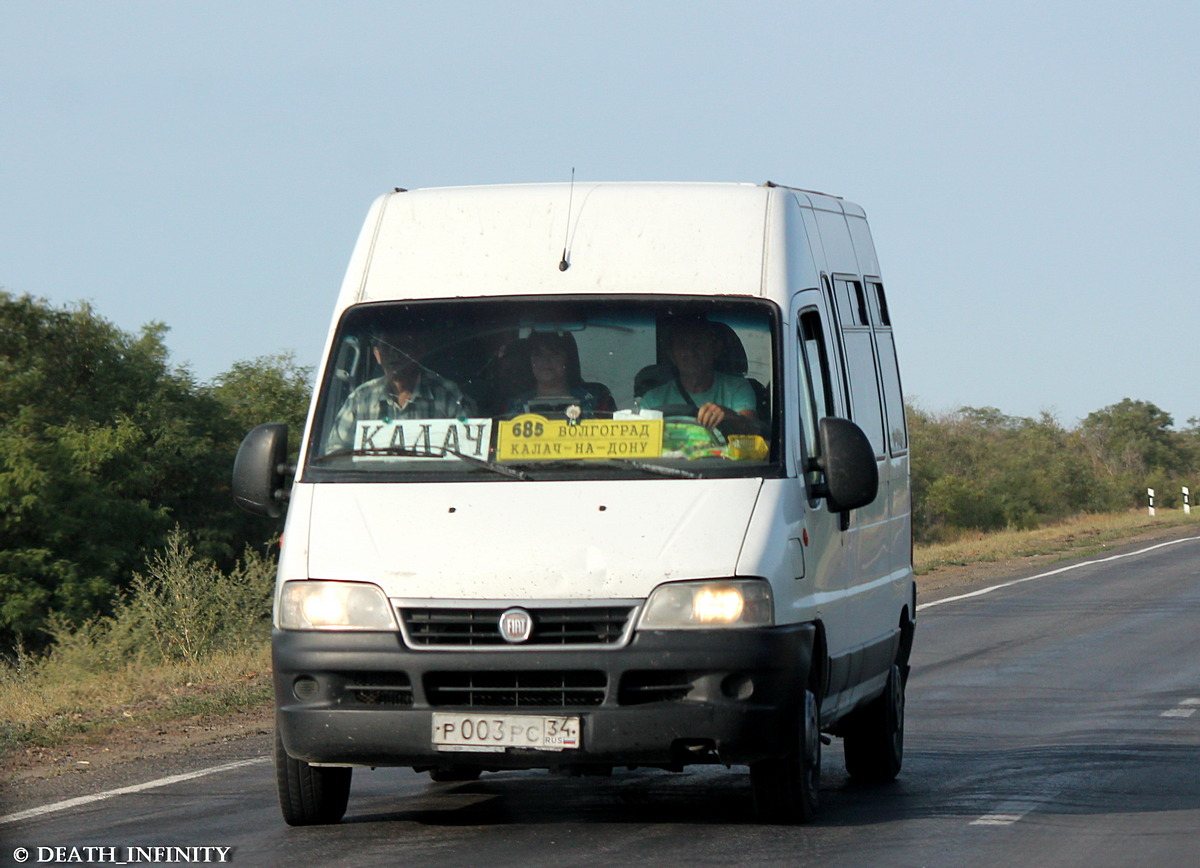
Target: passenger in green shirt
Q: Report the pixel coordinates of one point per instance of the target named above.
(721, 400)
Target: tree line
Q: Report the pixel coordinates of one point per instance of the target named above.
(977, 469)
(106, 448)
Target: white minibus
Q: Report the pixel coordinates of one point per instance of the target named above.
(595, 476)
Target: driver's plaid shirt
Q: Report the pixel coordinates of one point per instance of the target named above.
(433, 398)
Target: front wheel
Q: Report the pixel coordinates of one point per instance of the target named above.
(309, 795)
(785, 789)
(874, 739)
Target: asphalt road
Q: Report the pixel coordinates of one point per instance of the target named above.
(1051, 722)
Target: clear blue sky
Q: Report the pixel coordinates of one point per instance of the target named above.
(1031, 169)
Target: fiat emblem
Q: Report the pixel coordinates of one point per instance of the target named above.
(516, 625)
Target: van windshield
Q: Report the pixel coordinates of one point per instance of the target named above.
(549, 388)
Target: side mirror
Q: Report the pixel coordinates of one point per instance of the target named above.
(259, 470)
(848, 462)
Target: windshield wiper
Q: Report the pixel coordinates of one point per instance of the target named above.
(493, 466)
(644, 467)
(503, 470)
(657, 469)
(407, 452)
(374, 450)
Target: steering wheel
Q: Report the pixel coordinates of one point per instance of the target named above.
(682, 414)
(681, 432)
(677, 411)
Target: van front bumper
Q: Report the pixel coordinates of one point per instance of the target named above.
(668, 698)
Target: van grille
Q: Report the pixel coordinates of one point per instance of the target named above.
(562, 626)
(515, 689)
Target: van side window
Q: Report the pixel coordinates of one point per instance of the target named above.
(860, 303)
(879, 307)
(851, 303)
(890, 372)
(816, 390)
(859, 349)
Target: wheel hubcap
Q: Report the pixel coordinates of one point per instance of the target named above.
(812, 734)
(897, 703)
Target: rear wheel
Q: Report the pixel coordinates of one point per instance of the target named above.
(309, 795)
(874, 738)
(785, 789)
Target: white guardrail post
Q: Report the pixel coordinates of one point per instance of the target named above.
(1187, 501)
(1150, 495)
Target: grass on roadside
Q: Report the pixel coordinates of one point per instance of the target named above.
(1075, 537)
(56, 702)
(186, 640)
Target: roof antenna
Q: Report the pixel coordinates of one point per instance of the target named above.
(565, 263)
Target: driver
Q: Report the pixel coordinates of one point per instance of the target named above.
(718, 399)
(406, 390)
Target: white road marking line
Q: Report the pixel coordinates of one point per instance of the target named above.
(997, 819)
(1006, 813)
(1184, 709)
(136, 788)
(988, 590)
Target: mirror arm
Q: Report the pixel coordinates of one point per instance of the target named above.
(820, 488)
(287, 472)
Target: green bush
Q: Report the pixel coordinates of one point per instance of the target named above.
(190, 607)
(182, 609)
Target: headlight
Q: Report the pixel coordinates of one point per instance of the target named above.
(314, 605)
(709, 604)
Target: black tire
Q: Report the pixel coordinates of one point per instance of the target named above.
(454, 773)
(785, 789)
(874, 737)
(309, 795)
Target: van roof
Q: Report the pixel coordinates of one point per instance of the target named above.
(613, 237)
(823, 201)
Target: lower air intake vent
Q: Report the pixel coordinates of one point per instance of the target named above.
(639, 688)
(515, 689)
(378, 688)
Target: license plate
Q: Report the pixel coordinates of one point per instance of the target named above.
(496, 732)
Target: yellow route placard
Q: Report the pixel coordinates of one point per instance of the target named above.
(535, 438)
